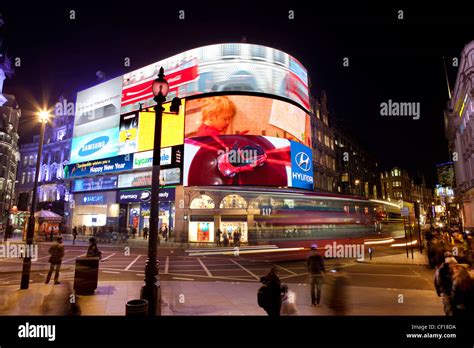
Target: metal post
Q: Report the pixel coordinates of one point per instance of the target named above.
(411, 236)
(30, 232)
(406, 240)
(151, 290)
(419, 235)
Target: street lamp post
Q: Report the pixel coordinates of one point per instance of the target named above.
(151, 290)
(30, 232)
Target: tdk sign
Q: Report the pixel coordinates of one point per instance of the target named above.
(93, 146)
(301, 166)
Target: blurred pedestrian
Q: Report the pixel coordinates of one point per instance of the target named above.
(218, 237)
(57, 253)
(288, 302)
(462, 292)
(443, 285)
(315, 266)
(269, 295)
(226, 239)
(337, 297)
(74, 234)
(145, 233)
(51, 234)
(93, 250)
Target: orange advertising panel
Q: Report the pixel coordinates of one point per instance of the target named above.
(247, 115)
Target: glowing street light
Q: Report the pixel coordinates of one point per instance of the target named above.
(30, 232)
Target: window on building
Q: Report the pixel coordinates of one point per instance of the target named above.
(230, 50)
(25, 160)
(326, 140)
(32, 160)
(28, 177)
(320, 137)
(345, 177)
(233, 202)
(23, 177)
(317, 113)
(325, 119)
(397, 184)
(202, 202)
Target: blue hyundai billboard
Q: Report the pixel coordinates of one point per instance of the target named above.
(301, 166)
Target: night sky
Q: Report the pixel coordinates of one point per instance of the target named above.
(389, 58)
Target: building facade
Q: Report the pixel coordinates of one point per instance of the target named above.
(324, 152)
(459, 126)
(53, 191)
(357, 169)
(10, 114)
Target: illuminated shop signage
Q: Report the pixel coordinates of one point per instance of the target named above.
(144, 195)
(145, 159)
(93, 199)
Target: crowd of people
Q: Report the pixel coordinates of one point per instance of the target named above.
(450, 253)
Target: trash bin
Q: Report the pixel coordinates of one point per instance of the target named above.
(136, 308)
(86, 275)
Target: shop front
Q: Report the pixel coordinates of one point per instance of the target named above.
(136, 204)
(95, 212)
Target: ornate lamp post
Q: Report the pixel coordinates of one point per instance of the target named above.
(30, 232)
(151, 290)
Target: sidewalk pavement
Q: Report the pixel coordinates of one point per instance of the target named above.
(400, 259)
(191, 298)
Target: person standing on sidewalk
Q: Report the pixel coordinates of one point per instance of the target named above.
(315, 266)
(57, 253)
(74, 234)
(145, 233)
(218, 237)
(93, 250)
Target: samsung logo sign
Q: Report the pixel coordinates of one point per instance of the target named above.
(93, 146)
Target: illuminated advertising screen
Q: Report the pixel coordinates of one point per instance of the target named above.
(170, 156)
(94, 146)
(104, 166)
(170, 176)
(247, 160)
(95, 184)
(219, 68)
(247, 115)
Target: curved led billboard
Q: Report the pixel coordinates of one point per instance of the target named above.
(220, 68)
(111, 118)
(246, 115)
(240, 160)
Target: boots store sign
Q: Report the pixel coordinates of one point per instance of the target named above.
(144, 195)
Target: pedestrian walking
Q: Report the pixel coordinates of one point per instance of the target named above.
(51, 234)
(226, 239)
(269, 296)
(57, 253)
(74, 234)
(443, 285)
(315, 266)
(165, 233)
(145, 233)
(462, 292)
(337, 296)
(237, 235)
(218, 237)
(134, 232)
(288, 301)
(93, 250)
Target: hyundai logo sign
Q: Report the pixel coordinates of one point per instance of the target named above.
(93, 146)
(303, 161)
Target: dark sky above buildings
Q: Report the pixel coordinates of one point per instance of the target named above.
(389, 59)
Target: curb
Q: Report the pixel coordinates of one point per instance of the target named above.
(394, 263)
